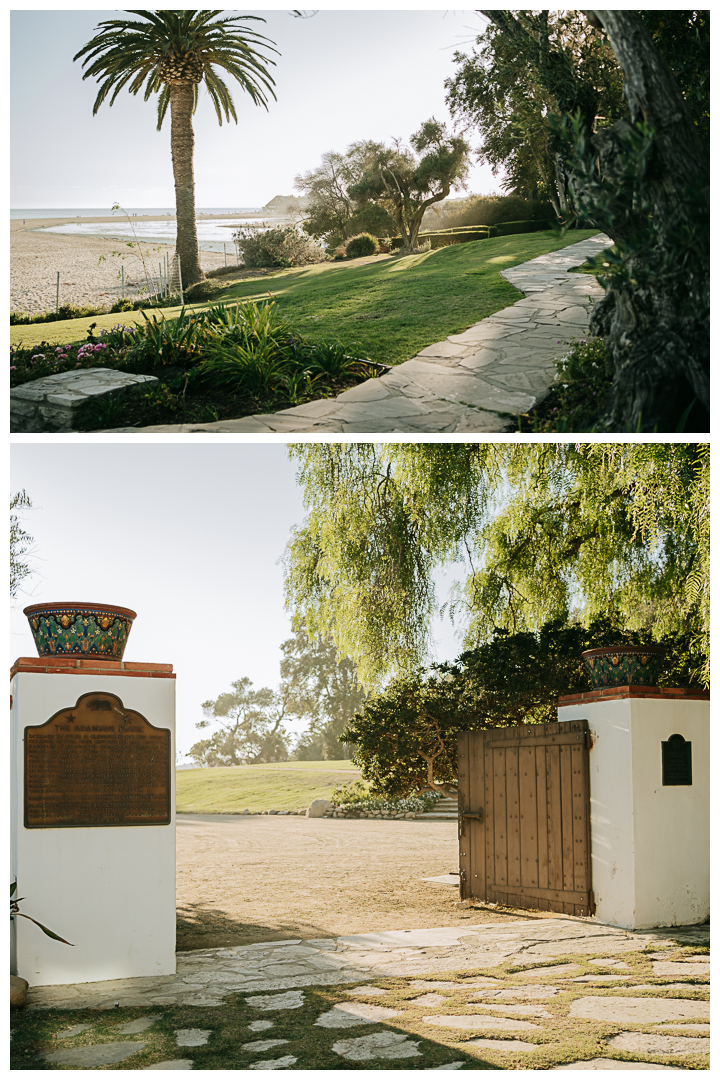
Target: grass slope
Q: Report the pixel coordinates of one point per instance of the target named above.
(385, 308)
(284, 785)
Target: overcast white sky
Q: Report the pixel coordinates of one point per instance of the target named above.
(188, 536)
(341, 76)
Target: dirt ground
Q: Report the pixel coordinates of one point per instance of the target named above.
(246, 879)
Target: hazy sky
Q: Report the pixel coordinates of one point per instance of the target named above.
(341, 76)
(187, 535)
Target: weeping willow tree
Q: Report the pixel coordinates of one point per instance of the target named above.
(546, 531)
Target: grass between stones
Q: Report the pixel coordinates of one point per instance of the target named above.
(285, 785)
(387, 308)
(560, 1040)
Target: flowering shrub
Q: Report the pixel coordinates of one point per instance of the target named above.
(357, 796)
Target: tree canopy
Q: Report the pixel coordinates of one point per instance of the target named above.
(251, 728)
(638, 169)
(547, 531)
(325, 691)
(334, 215)
(405, 181)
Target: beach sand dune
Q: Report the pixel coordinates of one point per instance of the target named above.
(37, 256)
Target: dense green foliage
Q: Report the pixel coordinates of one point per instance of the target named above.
(500, 90)
(333, 214)
(487, 210)
(284, 247)
(406, 181)
(251, 728)
(211, 364)
(576, 400)
(406, 735)
(361, 245)
(325, 692)
(546, 531)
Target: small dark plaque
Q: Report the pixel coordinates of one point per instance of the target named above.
(676, 761)
(96, 764)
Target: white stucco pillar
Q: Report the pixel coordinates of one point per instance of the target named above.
(107, 888)
(650, 840)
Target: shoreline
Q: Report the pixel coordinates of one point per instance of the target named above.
(89, 266)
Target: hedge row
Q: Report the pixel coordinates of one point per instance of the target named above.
(442, 237)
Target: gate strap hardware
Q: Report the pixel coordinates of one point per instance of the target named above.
(474, 817)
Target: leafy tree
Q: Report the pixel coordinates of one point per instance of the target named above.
(498, 91)
(251, 729)
(20, 542)
(644, 179)
(406, 181)
(324, 689)
(171, 54)
(547, 531)
(406, 735)
(334, 215)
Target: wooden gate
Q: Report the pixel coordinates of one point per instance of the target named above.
(524, 817)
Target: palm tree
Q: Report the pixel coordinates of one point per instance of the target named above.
(171, 54)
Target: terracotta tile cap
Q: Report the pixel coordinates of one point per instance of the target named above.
(83, 665)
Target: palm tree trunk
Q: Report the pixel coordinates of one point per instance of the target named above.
(182, 142)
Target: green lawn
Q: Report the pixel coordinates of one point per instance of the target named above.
(286, 785)
(385, 308)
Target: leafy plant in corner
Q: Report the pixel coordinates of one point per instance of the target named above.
(14, 910)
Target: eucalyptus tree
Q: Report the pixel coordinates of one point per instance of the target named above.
(545, 531)
(171, 53)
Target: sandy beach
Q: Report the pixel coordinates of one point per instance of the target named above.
(37, 256)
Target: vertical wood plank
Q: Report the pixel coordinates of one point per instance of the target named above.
(566, 801)
(512, 755)
(489, 813)
(465, 855)
(500, 815)
(542, 819)
(475, 830)
(527, 785)
(554, 817)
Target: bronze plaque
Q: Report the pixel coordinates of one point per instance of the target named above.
(96, 764)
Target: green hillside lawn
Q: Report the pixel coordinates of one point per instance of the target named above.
(385, 308)
(286, 785)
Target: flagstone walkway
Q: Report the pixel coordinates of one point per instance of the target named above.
(492, 994)
(471, 382)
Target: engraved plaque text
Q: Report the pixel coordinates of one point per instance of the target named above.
(96, 764)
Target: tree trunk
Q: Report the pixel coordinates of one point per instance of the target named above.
(655, 320)
(182, 143)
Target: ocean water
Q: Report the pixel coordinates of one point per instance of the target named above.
(102, 211)
(214, 234)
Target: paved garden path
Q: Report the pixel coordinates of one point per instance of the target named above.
(471, 382)
(552, 994)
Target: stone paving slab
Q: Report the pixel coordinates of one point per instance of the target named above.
(206, 976)
(522, 1003)
(469, 382)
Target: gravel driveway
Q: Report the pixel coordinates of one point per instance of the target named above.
(246, 879)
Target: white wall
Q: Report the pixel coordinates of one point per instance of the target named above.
(650, 844)
(110, 891)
